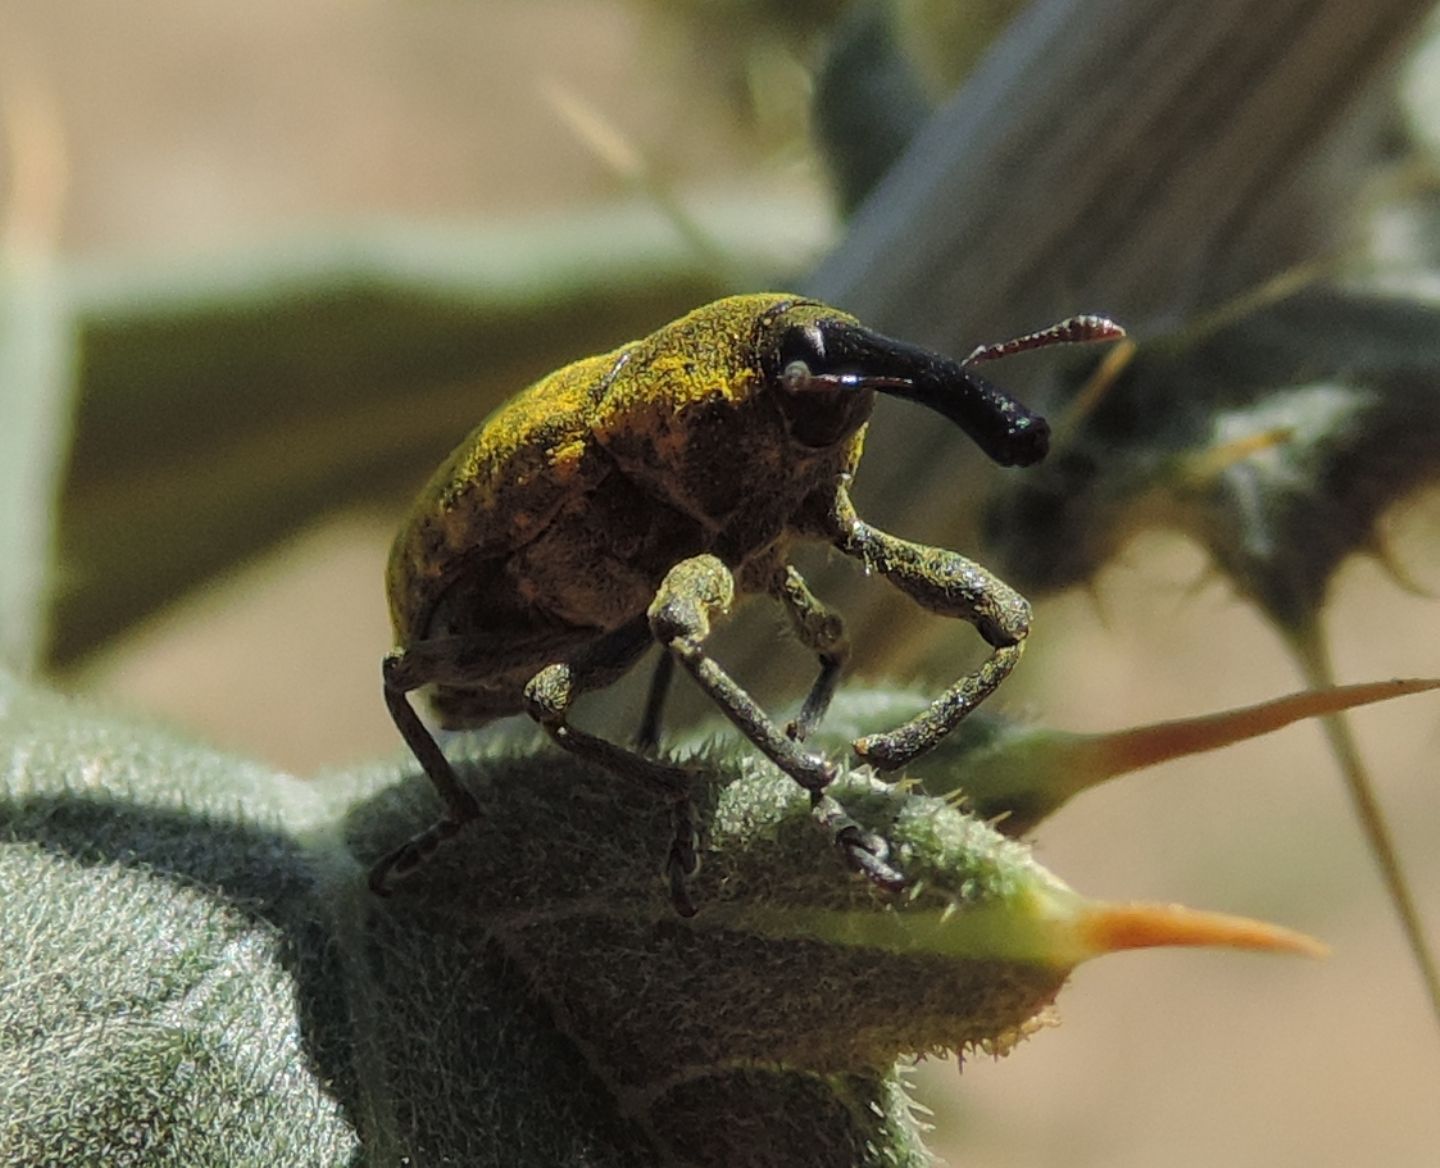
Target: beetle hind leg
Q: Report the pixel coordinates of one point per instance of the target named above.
(402, 673)
(692, 593)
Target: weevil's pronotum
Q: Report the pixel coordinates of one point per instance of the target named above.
(627, 499)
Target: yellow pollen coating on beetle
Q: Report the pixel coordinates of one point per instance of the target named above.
(678, 426)
(691, 414)
(513, 471)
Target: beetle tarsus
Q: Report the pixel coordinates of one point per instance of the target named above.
(683, 860)
(548, 697)
(873, 867)
(864, 851)
(410, 855)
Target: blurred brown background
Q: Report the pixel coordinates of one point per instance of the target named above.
(196, 127)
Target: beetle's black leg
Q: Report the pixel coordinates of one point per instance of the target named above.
(448, 659)
(948, 584)
(693, 592)
(821, 630)
(402, 673)
(647, 740)
(548, 698)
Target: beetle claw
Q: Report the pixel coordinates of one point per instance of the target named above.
(867, 852)
(410, 855)
(680, 898)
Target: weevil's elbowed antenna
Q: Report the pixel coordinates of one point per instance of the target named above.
(1011, 434)
(1073, 330)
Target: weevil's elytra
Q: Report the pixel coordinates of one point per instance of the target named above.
(631, 497)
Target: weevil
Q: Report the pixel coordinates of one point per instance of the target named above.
(631, 497)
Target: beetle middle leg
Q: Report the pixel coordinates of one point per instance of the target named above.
(692, 593)
(647, 739)
(821, 630)
(948, 584)
(548, 698)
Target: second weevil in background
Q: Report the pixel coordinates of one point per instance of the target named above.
(627, 498)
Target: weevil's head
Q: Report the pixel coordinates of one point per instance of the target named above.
(825, 367)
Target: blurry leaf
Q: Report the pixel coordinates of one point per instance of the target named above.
(1020, 201)
(37, 344)
(226, 403)
(166, 993)
(886, 64)
(948, 37)
(868, 102)
(196, 969)
(1419, 92)
(1275, 442)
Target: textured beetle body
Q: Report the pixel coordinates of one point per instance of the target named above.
(628, 498)
(556, 520)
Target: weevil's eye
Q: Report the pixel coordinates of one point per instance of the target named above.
(795, 377)
(819, 403)
(802, 344)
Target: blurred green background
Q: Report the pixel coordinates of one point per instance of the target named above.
(305, 247)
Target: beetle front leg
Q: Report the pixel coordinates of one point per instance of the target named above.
(692, 593)
(948, 584)
(403, 672)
